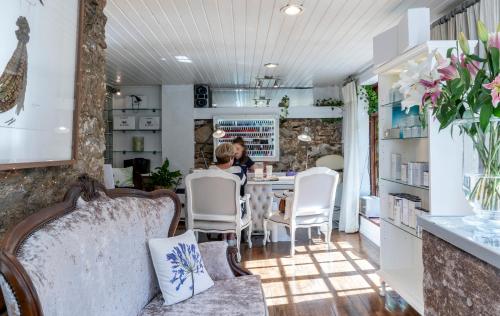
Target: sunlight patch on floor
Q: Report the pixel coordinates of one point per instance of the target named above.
(297, 259)
(364, 265)
(308, 286)
(337, 267)
(321, 247)
(344, 245)
(267, 272)
(274, 289)
(301, 270)
(352, 255)
(273, 301)
(261, 263)
(329, 256)
(312, 297)
(349, 282)
(355, 292)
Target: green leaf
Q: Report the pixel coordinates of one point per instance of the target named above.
(485, 115)
(476, 58)
(495, 60)
(496, 111)
(449, 52)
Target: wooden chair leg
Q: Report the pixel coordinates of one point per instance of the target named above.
(328, 236)
(238, 240)
(249, 237)
(264, 224)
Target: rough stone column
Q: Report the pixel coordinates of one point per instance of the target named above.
(23, 192)
(457, 283)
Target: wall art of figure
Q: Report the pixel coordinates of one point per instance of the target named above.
(14, 77)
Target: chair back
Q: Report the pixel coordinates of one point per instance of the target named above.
(315, 192)
(334, 162)
(212, 195)
(109, 181)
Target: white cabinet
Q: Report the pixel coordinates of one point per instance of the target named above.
(401, 264)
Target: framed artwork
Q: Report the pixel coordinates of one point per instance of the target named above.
(39, 76)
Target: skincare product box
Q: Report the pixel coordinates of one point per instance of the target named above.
(404, 172)
(396, 166)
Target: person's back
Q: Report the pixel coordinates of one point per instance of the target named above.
(224, 155)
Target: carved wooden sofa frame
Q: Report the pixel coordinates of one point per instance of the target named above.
(87, 188)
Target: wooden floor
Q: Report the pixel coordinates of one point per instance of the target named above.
(319, 282)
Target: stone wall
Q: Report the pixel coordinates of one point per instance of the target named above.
(457, 283)
(23, 192)
(326, 135)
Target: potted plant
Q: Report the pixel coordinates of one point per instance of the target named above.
(463, 91)
(284, 104)
(163, 178)
(333, 103)
(369, 94)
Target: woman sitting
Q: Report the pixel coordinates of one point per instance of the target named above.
(224, 154)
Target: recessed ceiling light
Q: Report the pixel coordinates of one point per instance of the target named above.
(163, 59)
(292, 9)
(183, 59)
(271, 65)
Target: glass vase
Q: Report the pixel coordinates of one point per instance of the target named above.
(481, 168)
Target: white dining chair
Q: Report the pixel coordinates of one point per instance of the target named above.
(214, 205)
(312, 206)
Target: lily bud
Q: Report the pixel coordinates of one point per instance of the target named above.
(464, 44)
(482, 31)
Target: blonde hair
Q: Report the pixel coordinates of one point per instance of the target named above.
(224, 153)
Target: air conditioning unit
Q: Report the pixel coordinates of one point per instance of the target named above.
(369, 206)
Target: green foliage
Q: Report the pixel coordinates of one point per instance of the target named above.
(284, 104)
(465, 97)
(332, 120)
(333, 103)
(370, 96)
(163, 177)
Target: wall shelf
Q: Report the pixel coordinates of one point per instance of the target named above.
(137, 130)
(135, 110)
(154, 152)
(406, 138)
(405, 183)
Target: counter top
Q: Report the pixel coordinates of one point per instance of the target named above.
(469, 236)
(281, 180)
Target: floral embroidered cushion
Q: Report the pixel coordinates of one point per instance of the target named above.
(179, 267)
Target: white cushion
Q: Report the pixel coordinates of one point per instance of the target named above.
(279, 217)
(179, 267)
(221, 225)
(124, 177)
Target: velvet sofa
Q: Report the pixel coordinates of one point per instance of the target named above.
(88, 256)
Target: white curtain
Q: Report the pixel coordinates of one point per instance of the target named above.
(349, 210)
(464, 19)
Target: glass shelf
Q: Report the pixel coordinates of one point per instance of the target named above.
(392, 104)
(404, 183)
(137, 130)
(405, 228)
(399, 138)
(134, 110)
(154, 152)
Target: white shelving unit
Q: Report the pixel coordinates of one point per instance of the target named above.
(122, 139)
(261, 134)
(401, 264)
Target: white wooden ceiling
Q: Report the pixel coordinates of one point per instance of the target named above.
(229, 41)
